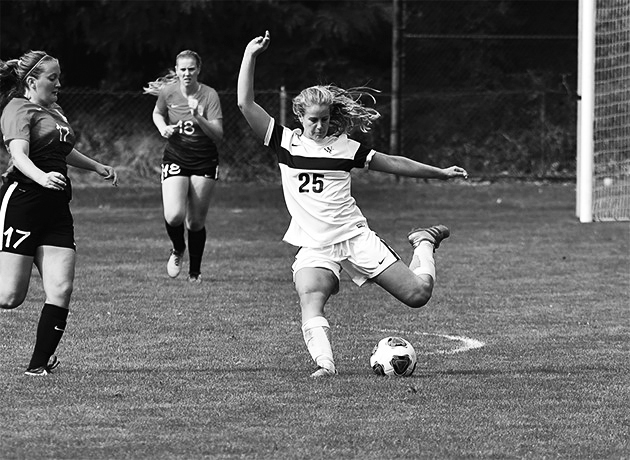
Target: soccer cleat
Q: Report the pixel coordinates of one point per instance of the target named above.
(323, 372)
(53, 362)
(194, 278)
(434, 235)
(174, 265)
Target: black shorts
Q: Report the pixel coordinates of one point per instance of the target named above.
(31, 216)
(170, 169)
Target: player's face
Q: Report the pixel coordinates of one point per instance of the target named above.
(315, 121)
(44, 89)
(187, 70)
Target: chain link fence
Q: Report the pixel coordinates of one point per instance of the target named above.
(512, 134)
(522, 130)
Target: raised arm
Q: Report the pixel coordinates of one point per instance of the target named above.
(255, 115)
(407, 167)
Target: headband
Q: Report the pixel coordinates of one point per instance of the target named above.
(35, 66)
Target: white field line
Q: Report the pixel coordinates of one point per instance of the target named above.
(466, 343)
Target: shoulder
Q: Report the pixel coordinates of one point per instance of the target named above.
(18, 106)
(168, 89)
(17, 102)
(343, 139)
(208, 91)
(57, 107)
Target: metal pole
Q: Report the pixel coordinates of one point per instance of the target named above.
(394, 137)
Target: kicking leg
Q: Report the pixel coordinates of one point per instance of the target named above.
(413, 285)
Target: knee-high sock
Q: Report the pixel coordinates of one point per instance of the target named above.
(176, 234)
(317, 336)
(196, 245)
(423, 262)
(50, 328)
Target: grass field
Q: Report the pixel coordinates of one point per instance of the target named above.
(156, 368)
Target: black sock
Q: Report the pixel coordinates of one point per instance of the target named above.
(176, 234)
(52, 323)
(196, 245)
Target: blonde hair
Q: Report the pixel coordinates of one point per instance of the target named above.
(154, 87)
(346, 110)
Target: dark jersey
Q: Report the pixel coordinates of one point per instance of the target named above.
(189, 146)
(47, 131)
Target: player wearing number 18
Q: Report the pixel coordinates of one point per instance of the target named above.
(326, 224)
(36, 226)
(188, 114)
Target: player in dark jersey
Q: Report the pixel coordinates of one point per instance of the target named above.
(326, 224)
(36, 226)
(188, 114)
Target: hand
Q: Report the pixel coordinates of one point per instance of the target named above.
(455, 171)
(196, 110)
(258, 44)
(52, 180)
(168, 131)
(109, 173)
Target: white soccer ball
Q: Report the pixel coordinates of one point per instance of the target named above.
(393, 356)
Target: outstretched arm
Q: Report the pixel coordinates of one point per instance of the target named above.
(78, 160)
(402, 166)
(255, 115)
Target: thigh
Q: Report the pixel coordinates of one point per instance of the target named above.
(401, 282)
(15, 276)
(367, 256)
(22, 216)
(199, 197)
(56, 266)
(174, 197)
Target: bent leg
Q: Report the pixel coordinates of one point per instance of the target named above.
(412, 289)
(15, 276)
(174, 199)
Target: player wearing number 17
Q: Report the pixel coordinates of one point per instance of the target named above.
(36, 226)
(326, 224)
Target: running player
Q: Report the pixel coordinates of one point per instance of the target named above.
(36, 226)
(326, 224)
(188, 114)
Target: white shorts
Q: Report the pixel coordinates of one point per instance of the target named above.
(363, 257)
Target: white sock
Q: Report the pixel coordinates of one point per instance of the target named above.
(423, 262)
(316, 332)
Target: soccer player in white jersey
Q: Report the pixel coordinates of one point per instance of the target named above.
(326, 224)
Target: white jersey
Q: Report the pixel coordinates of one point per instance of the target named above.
(316, 184)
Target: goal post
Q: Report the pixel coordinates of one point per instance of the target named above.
(603, 129)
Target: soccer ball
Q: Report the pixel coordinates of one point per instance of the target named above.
(393, 356)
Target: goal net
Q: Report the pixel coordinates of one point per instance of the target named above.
(609, 167)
